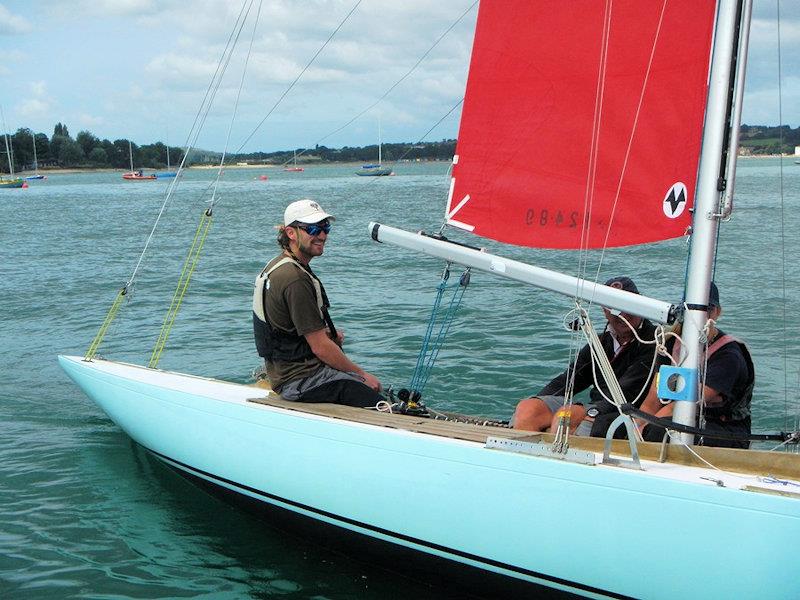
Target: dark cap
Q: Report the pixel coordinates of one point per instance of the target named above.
(713, 296)
(623, 283)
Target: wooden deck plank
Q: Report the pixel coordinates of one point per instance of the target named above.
(451, 429)
(773, 464)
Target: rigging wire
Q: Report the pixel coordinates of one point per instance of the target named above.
(431, 345)
(399, 81)
(236, 102)
(588, 200)
(375, 103)
(296, 79)
(197, 125)
(205, 106)
(656, 37)
(204, 226)
(783, 237)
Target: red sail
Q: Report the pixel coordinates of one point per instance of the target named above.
(582, 121)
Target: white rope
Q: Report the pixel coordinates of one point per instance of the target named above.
(296, 79)
(235, 105)
(199, 120)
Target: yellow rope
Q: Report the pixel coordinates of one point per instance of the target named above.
(112, 312)
(183, 284)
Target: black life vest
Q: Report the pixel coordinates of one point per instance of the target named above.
(274, 344)
(734, 409)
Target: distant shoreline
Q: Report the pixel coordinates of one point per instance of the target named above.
(74, 171)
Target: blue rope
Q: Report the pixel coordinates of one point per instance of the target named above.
(444, 319)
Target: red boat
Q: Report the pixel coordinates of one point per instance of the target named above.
(138, 176)
(294, 168)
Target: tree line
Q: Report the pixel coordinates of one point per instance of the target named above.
(87, 151)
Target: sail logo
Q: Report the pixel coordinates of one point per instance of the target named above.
(675, 200)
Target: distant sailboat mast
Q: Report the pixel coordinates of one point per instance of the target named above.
(8, 146)
(35, 159)
(130, 153)
(8, 154)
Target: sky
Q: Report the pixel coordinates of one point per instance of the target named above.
(139, 69)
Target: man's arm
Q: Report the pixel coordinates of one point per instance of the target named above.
(326, 349)
(583, 376)
(652, 405)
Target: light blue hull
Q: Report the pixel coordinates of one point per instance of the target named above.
(597, 531)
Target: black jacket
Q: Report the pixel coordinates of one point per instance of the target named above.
(631, 366)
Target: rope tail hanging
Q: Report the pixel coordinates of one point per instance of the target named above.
(431, 344)
(112, 312)
(189, 266)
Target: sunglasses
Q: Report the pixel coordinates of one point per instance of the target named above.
(316, 228)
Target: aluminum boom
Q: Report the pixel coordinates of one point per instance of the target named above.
(635, 304)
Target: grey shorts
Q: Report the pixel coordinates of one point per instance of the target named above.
(293, 389)
(555, 402)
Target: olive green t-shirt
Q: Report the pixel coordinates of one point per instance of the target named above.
(291, 306)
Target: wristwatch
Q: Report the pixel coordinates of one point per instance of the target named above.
(592, 413)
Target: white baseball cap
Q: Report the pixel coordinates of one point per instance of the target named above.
(305, 211)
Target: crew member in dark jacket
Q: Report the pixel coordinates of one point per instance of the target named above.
(631, 361)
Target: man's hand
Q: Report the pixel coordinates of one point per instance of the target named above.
(371, 381)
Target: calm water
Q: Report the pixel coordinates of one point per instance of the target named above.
(85, 513)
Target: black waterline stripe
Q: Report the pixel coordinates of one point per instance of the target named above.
(392, 534)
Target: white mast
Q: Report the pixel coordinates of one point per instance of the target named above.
(35, 160)
(8, 154)
(380, 162)
(130, 152)
(707, 203)
(8, 148)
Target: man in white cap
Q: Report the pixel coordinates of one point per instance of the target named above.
(293, 331)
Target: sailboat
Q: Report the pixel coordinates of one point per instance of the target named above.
(376, 170)
(294, 168)
(509, 512)
(11, 181)
(137, 175)
(36, 174)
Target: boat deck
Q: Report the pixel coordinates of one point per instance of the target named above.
(445, 428)
(773, 464)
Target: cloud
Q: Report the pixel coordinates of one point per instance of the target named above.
(34, 107)
(11, 24)
(86, 120)
(38, 104)
(39, 88)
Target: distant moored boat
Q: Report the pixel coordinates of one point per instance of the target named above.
(294, 168)
(136, 175)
